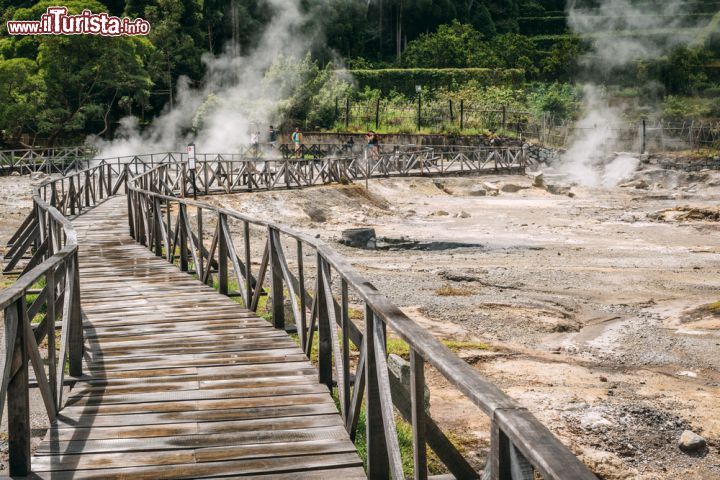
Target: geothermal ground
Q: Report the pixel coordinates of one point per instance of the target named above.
(595, 309)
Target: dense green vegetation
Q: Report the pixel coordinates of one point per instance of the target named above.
(59, 89)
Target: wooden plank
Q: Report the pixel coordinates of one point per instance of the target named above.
(68, 447)
(191, 405)
(271, 467)
(213, 454)
(194, 416)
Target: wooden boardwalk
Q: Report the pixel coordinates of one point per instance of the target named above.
(182, 381)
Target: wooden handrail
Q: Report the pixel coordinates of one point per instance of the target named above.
(517, 435)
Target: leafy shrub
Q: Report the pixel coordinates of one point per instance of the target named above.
(404, 80)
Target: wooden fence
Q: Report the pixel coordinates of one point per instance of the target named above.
(49, 160)
(319, 288)
(45, 298)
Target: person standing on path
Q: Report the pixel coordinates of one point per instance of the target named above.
(297, 141)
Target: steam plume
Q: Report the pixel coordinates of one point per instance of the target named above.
(234, 99)
(620, 33)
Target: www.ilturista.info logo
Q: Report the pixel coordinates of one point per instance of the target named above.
(57, 22)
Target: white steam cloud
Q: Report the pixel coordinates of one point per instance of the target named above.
(620, 33)
(234, 99)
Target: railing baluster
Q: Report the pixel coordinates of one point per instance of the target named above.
(417, 399)
(183, 237)
(499, 462)
(75, 339)
(200, 266)
(248, 265)
(324, 326)
(302, 328)
(222, 256)
(276, 282)
(377, 458)
(344, 382)
(50, 315)
(18, 397)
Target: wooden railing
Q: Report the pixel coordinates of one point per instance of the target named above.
(321, 289)
(47, 291)
(234, 173)
(49, 160)
(46, 297)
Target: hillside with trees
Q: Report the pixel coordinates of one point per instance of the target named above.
(57, 90)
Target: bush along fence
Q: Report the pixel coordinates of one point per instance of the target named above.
(462, 118)
(453, 116)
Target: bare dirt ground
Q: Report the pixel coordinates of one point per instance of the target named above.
(596, 304)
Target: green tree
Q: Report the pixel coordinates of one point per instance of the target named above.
(22, 93)
(452, 46)
(561, 62)
(176, 52)
(511, 50)
(78, 79)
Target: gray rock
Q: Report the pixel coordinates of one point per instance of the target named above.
(359, 238)
(401, 369)
(512, 188)
(691, 442)
(441, 213)
(316, 214)
(558, 189)
(490, 187)
(41, 176)
(539, 181)
(477, 192)
(628, 217)
(464, 214)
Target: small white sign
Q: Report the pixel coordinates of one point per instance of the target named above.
(191, 156)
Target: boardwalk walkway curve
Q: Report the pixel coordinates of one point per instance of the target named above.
(174, 369)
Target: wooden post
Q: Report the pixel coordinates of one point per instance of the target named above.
(87, 188)
(504, 117)
(499, 454)
(50, 316)
(157, 216)
(417, 401)
(18, 394)
(182, 237)
(276, 282)
(347, 113)
(419, 111)
(344, 383)
(248, 269)
(75, 340)
(462, 114)
(452, 116)
(200, 267)
(302, 328)
(643, 132)
(377, 114)
(337, 110)
(324, 339)
(377, 455)
(222, 255)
